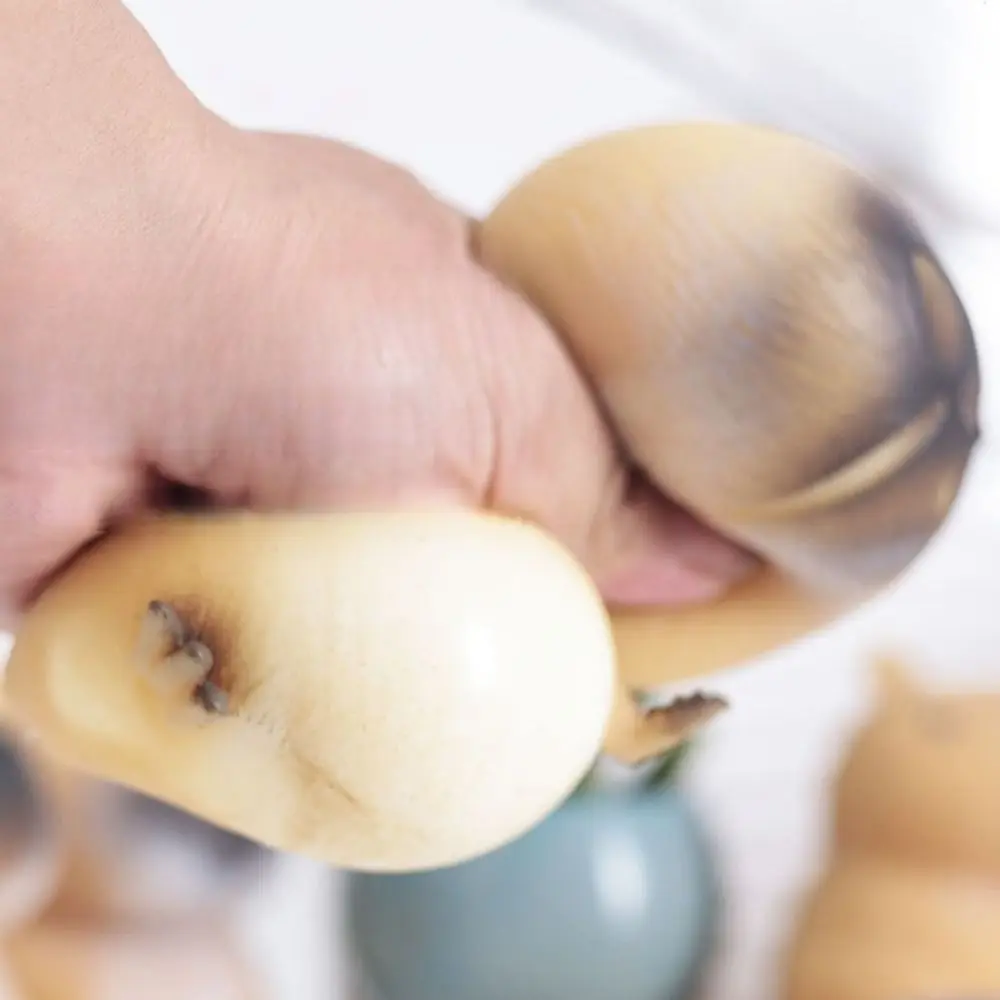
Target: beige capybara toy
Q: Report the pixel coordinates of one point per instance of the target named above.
(779, 350)
(909, 903)
(66, 960)
(31, 856)
(129, 858)
(107, 894)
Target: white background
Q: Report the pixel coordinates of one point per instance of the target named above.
(471, 94)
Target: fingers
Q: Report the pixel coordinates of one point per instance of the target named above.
(86, 962)
(557, 463)
(338, 347)
(653, 553)
(450, 390)
(51, 504)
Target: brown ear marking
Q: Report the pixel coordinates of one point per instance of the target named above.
(948, 326)
(921, 287)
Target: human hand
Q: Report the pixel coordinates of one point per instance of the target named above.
(274, 322)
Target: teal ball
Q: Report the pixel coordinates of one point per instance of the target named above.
(613, 896)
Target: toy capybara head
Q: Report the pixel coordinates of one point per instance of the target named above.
(921, 780)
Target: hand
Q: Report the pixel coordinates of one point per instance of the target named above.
(271, 321)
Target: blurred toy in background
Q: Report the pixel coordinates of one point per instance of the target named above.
(138, 901)
(614, 895)
(130, 857)
(196, 959)
(909, 905)
(30, 858)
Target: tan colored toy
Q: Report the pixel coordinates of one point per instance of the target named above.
(128, 898)
(252, 678)
(31, 859)
(8, 988)
(129, 858)
(68, 961)
(909, 905)
(72, 846)
(780, 351)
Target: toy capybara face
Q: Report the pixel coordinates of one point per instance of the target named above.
(921, 782)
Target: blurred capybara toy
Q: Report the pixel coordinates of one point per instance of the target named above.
(106, 894)
(909, 905)
(70, 960)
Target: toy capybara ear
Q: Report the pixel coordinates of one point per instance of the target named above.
(895, 681)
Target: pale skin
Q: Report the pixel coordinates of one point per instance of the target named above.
(275, 322)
